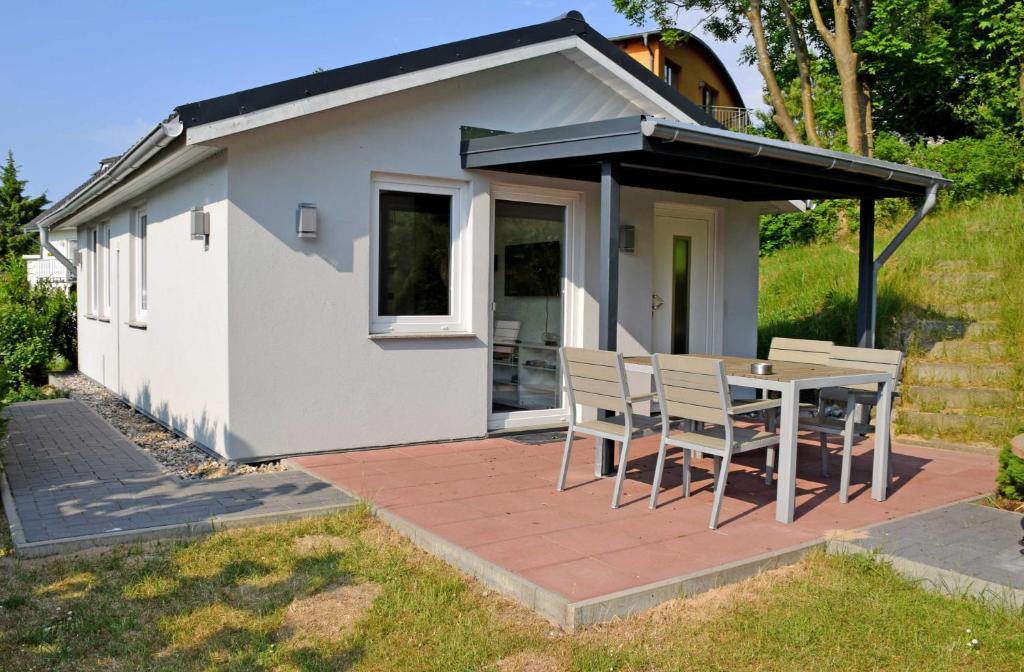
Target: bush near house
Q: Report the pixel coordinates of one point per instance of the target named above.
(37, 327)
(1010, 477)
(978, 167)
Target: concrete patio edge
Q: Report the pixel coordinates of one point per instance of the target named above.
(38, 549)
(633, 600)
(559, 609)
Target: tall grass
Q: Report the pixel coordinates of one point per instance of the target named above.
(811, 291)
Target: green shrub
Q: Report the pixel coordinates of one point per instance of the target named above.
(816, 223)
(978, 167)
(37, 324)
(1010, 475)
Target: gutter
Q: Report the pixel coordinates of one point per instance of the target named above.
(754, 146)
(153, 142)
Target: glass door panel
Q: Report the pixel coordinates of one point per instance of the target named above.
(528, 306)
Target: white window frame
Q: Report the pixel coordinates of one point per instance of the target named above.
(140, 248)
(459, 254)
(103, 271)
(92, 268)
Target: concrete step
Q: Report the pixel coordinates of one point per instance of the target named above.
(981, 310)
(952, 424)
(938, 398)
(981, 330)
(968, 351)
(959, 278)
(958, 373)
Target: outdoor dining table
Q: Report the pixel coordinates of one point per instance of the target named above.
(789, 378)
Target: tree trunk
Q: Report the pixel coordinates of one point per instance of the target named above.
(780, 115)
(840, 42)
(803, 63)
(1020, 92)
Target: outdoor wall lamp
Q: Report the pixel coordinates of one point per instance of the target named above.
(200, 225)
(627, 239)
(305, 220)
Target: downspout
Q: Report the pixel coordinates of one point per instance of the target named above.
(908, 228)
(647, 45)
(44, 241)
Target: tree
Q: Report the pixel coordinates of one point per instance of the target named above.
(16, 210)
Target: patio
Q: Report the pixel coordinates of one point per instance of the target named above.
(489, 506)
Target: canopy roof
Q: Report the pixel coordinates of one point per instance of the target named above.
(689, 158)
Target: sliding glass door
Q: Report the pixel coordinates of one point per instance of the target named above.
(528, 310)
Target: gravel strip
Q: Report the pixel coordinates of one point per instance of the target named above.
(177, 454)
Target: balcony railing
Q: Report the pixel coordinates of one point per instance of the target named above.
(46, 269)
(733, 118)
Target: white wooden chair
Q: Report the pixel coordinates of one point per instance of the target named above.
(798, 351)
(867, 395)
(506, 338)
(597, 379)
(695, 389)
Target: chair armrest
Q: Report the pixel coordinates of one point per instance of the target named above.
(646, 396)
(754, 406)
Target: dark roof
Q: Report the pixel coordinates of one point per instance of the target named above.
(690, 38)
(676, 156)
(572, 23)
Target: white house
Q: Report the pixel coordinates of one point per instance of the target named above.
(319, 264)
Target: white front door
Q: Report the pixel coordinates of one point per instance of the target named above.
(682, 305)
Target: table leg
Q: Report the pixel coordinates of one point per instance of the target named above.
(883, 425)
(604, 460)
(789, 420)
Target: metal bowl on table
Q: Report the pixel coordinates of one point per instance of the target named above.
(761, 368)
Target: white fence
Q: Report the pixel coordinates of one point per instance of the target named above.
(47, 269)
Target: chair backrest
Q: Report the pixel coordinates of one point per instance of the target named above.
(595, 378)
(693, 388)
(799, 350)
(868, 359)
(506, 332)
(506, 335)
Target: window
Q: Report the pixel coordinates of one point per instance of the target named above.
(671, 74)
(140, 298)
(94, 270)
(709, 98)
(416, 257)
(100, 246)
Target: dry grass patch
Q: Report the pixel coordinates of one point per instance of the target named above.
(528, 661)
(316, 543)
(330, 614)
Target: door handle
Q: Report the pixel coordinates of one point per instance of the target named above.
(656, 302)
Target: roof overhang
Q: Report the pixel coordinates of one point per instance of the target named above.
(688, 158)
(608, 69)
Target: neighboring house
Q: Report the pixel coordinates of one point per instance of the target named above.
(351, 259)
(46, 267)
(692, 68)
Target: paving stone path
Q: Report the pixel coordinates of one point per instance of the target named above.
(963, 547)
(76, 482)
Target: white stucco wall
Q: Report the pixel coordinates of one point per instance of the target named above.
(305, 376)
(176, 368)
(262, 348)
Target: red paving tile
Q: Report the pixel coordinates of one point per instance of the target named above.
(497, 498)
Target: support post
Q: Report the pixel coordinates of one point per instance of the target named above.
(609, 290)
(866, 289)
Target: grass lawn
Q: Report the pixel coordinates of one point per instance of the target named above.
(343, 592)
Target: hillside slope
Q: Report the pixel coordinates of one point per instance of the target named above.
(952, 298)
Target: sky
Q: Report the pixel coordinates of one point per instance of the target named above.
(84, 80)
